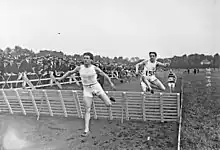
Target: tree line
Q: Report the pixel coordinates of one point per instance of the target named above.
(182, 62)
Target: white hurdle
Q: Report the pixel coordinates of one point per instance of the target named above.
(128, 106)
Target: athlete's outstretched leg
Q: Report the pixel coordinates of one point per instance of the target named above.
(107, 100)
(148, 84)
(104, 97)
(173, 87)
(170, 87)
(88, 104)
(159, 85)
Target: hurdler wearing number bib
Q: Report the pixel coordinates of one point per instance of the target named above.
(88, 74)
(148, 78)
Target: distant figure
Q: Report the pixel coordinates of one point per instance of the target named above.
(172, 78)
(194, 71)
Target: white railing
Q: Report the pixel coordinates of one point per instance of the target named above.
(128, 106)
(38, 81)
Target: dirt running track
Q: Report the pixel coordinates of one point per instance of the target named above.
(20, 132)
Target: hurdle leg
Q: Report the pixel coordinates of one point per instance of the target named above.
(39, 110)
(53, 79)
(7, 84)
(27, 81)
(19, 78)
(51, 82)
(24, 84)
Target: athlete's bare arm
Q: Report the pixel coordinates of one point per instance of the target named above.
(74, 79)
(100, 72)
(139, 64)
(70, 72)
(162, 64)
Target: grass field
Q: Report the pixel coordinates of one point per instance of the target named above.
(201, 119)
(64, 133)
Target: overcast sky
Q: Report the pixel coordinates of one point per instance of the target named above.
(112, 27)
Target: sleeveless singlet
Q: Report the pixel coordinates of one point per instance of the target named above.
(88, 75)
(149, 68)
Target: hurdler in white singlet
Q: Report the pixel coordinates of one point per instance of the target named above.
(88, 75)
(149, 68)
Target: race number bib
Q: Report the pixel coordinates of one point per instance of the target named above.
(150, 73)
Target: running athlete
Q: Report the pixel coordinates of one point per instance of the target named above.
(88, 74)
(148, 75)
(171, 80)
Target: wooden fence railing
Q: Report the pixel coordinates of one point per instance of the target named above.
(38, 82)
(128, 105)
(180, 115)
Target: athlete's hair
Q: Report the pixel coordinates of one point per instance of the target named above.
(153, 53)
(89, 54)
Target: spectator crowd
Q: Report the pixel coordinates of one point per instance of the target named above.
(38, 67)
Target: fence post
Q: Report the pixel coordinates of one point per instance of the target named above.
(34, 102)
(143, 106)
(161, 107)
(78, 107)
(122, 109)
(126, 105)
(20, 102)
(181, 90)
(62, 103)
(48, 103)
(178, 104)
(180, 114)
(7, 102)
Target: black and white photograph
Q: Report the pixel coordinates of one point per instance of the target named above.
(109, 75)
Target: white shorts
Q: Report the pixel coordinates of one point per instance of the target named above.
(171, 84)
(91, 90)
(150, 78)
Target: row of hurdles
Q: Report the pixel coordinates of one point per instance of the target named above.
(129, 105)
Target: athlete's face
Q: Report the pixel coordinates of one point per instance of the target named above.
(152, 57)
(87, 60)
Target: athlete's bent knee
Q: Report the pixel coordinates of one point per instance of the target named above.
(106, 99)
(87, 109)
